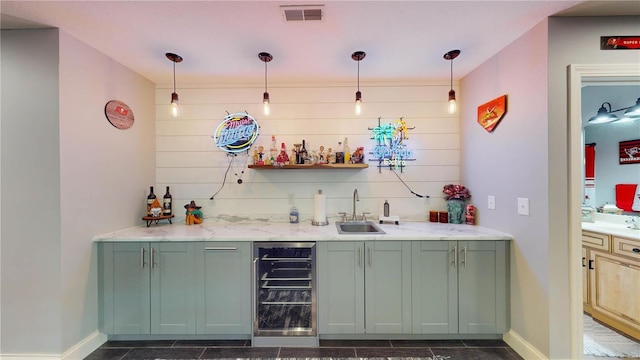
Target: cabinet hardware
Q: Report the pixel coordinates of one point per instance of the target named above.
(359, 257)
(635, 250)
(455, 255)
(583, 259)
(464, 258)
(153, 258)
(214, 248)
(591, 264)
(142, 257)
(369, 253)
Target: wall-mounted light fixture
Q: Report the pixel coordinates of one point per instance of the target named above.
(452, 94)
(357, 56)
(175, 110)
(265, 57)
(605, 115)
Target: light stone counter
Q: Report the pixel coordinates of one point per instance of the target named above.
(233, 228)
(611, 229)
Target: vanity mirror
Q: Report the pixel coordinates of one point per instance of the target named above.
(613, 182)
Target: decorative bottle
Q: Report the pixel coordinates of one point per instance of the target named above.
(303, 153)
(346, 150)
(273, 151)
(150, 199)
(386, 208)
(166, 203)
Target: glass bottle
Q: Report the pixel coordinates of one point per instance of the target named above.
(150, 199)
(166, 203)
(347, 150)
(386, 208)
(303, 153)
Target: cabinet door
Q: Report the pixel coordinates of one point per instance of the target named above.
(172, 288)
(223, 288)
(124, 282)
(482, 287)
(585, 281)
(340, 287)
(388, 287)
(615, 291)
(434, 287)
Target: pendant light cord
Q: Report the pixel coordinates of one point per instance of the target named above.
(265, 76)
(358, 75)
(451, 75)
(174, 76)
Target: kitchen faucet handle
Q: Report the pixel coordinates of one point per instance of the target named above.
(364, 215)
(344, 216)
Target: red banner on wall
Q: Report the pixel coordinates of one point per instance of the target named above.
(619, 42)
(630, 152)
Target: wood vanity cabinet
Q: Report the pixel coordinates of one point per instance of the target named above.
(591, 242)
(614, 282)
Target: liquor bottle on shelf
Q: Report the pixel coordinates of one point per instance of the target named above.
(273, 151)
(347, 151)
(303, 153)
(166, 203)
(150, 199)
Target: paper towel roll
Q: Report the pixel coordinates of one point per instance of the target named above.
(319, 207)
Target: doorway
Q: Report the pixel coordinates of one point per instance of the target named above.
(578, 74)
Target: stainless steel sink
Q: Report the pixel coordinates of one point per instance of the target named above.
(358, 227)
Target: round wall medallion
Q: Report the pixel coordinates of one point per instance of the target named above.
(119, 114)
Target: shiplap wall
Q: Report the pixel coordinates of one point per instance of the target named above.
(188, 161)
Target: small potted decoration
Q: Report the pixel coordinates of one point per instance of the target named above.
(193, 214)
(456, 197)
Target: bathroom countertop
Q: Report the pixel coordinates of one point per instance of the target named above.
(235, 228)
(611, 229)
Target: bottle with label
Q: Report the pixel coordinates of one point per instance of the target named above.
(346, 150)
(166, 203)
(273, 151)
(303, 153)
(293, 210)
(386, 208)
(150, 199)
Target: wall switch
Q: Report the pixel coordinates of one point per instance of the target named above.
(491, 202)
(523, 206)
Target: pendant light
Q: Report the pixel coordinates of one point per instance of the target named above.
(452, 108)
(605, 115)
(265, 57)
(357, 56)
(175, 110)
(633, 111)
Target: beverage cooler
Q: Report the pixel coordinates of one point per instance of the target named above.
(284, 290)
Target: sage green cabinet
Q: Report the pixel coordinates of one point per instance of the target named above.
(223, 288)
(364, 287)
(146, 288)
(460, 287)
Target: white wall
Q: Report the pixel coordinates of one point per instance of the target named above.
(30, 274)
(104, 171)
(322, 114)
(609, 171)
(572, 40)
(512, 162)
(67, 175)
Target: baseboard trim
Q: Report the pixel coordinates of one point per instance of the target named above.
(85, 347)
(29, 356)
(522, 346)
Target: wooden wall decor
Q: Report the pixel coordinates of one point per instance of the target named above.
(490, 113)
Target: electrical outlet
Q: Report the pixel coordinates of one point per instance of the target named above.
(491, 202)
(523, 206)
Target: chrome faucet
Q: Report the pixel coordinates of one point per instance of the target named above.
(355, 198)
(633, 223)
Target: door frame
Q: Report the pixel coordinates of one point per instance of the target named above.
(578, 74)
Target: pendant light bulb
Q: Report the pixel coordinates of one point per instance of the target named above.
(265, 57)
(357, 56)
(265, 103)
(452, 107)
(175, 108)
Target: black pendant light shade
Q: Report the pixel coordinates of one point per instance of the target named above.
(606, 115)
(175, 58)
(265, 57)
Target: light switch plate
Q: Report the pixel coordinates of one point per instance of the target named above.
(523, 206)
(491, 202)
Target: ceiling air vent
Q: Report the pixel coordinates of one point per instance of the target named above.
(302, 12)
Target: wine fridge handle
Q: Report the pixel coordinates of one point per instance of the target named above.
(254, 310)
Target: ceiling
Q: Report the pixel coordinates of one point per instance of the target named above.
(220, 40)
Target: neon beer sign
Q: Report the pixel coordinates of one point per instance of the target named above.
(391, 150)
(236, 133)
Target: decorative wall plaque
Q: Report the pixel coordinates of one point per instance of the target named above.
(119, 114)
(490, 113)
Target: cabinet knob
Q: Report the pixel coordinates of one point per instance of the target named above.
(635, 250)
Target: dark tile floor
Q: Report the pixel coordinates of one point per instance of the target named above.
(341, 349)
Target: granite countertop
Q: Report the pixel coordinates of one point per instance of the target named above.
(611, 229)
(234, 228)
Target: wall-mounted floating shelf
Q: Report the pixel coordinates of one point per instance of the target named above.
(317, 166)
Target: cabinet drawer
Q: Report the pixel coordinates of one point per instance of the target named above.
(627, 247)
(596, 240)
